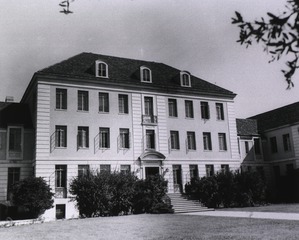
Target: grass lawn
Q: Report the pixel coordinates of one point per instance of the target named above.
(283, 208)
(147, 226)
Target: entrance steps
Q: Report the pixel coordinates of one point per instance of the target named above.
(181, 204)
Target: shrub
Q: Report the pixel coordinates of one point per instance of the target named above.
(34, 195)
(228, 189)
(150, 196)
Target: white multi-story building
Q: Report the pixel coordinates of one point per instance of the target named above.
(96, 112)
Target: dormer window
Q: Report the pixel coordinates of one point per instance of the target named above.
(185, 79)
(101, 69)
(146, 74)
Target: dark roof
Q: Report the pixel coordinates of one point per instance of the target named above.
(246, 127)
(15, 114)
(127, 72)
(278, 117)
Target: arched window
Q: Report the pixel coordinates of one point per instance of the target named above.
(185, 79)
(146, 74)
(101, 69)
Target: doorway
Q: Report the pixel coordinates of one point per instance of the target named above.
(177, 178)
(152, 171)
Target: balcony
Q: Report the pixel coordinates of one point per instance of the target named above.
(149, 120)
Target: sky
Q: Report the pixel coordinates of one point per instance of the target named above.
(191, 35)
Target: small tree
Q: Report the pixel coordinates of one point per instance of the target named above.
(34, 194)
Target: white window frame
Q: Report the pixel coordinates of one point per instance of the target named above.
(83, 101)
(172, 107)
(185, 82)
(174, 140)
(21, 152)
(219, 111)
(58, 140)
(104, 134)
(124, 138)
(189, 111)
(123, 104)
(61, 99)
(191, 141)
(99, 64)
(142, 76)
(104, 97)
(207, 141)
(83, 137)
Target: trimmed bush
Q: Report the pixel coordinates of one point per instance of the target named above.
(102, 194)
(33, 195)
(228, 189)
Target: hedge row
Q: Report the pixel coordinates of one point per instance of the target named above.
(228, 189)
(101, 194)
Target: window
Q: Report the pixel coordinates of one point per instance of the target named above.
(222, 142)
(83, 170)
(219, 111)
(13, 176)
(207, 142)
(146, 75)
(185, 79)
(101, 69)
(60, 211)
(189, 109)
(205, 112)
(273, 145)
(61, 98)
(103, 102)
(193, 171)
(246, 147)
(123, 103)
(174, 140)
(60, 176)
(286, 142)
(172, 108)
(257, 146)
(15, 142)
(104, 138)
(150, 139)
(148, 106)
(125, 169)
(124, 138)
(210, 170)
(191, 143)
(60, 136)
(82, 100)
(83, 137)
(225, 168)
(105, 168)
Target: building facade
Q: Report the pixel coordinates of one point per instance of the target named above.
(103, 113)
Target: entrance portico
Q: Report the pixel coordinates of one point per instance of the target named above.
(151, 163)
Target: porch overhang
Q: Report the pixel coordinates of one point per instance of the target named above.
(152, 156)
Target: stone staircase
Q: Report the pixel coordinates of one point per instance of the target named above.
(181, 204)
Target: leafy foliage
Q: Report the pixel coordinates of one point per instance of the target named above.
(34, 194)
(100, 194)
(278, 34)
(228, 189)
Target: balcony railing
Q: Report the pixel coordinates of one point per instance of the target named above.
(60, 192)
(149, 119)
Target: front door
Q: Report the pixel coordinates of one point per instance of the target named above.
(177, 178)
(151, 171)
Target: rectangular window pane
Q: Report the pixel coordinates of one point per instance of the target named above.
(105, 168)
(124, 138)
(104, 138)
(61, 98)
(60, 136)
(82, 100)
(15, 139)
(148, 106)
(191, 144)
(83, 137)
(172, 108)
(123, 103)
(83, 170)
(189, 109)
(60, 175)
(222, 141)
(273, 144)
(207, 142)
(174, 140)
(205, 111)
(150, 139)
(286, 142)
(193, 171)
(103, 102)
(209, 170)
(219, 111)
(126, 169)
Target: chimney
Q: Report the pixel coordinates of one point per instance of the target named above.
(9, 99)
